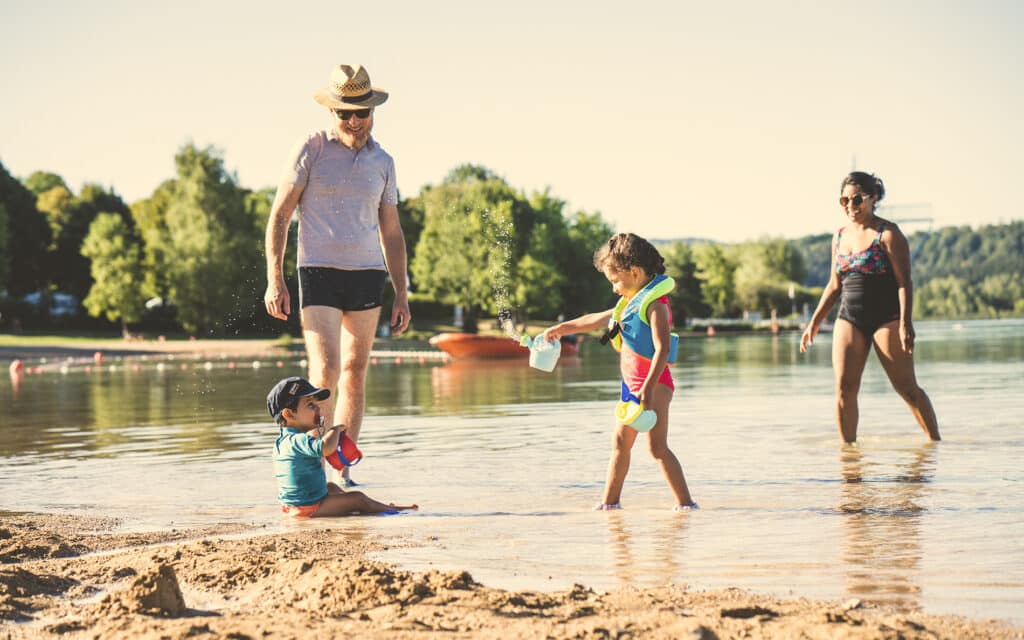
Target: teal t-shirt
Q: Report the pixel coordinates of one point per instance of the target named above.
(297, 465)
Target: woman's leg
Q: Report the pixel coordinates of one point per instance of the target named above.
(618, 466)
(850, 350)
(899, 366)
(658, 444)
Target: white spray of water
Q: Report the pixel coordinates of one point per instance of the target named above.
(499, 272)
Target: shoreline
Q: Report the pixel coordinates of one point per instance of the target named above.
(211, 349)
(234, 580)
(27, 348)
(129, 348)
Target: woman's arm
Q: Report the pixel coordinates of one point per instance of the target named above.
(898, 249)
(825, 304)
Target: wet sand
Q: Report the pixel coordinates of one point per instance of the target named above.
(79, 578)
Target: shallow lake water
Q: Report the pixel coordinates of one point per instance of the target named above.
(506, 463)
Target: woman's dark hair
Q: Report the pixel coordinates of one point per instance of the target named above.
(869, 183)
(626, 250)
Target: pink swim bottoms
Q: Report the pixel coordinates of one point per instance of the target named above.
(634, 369)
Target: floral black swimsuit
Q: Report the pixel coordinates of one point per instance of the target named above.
(869, 297)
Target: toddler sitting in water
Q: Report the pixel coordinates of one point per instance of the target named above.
(303, 490)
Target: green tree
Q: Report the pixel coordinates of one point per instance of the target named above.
(466, 252)
(947, 297)
(211, 242)
(42, 181)
(410, 216)
(765, 271)
(3, 247)
(783, 259)
(250, 313)
(585, 289)
(28, 237)
(1000, 292)
(69, 218)
(816, 253)
(539, 282)
(150, 217)
(715, 270)
(687, 299)
(119, 289)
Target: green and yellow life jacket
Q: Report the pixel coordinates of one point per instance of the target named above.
(634, 327)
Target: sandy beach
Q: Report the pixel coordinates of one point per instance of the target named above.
(77, 577)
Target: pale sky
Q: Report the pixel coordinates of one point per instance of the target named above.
(729, 121)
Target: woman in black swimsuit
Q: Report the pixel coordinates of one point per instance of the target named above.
(871, 279)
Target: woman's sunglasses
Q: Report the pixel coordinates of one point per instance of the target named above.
(362, 114)
(856, 200)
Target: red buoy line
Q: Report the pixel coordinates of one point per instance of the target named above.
(100, 361)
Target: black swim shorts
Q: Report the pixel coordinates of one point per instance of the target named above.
(340, 288)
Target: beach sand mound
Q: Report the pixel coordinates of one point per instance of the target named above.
(155, 592)
(319, 583)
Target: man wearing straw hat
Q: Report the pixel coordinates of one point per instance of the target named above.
(350, 240)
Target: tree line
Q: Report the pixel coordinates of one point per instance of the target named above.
(190, 257)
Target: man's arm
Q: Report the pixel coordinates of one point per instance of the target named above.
(276, 299)
(393, 243)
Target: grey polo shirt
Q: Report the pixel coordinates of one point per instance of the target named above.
(341, 198)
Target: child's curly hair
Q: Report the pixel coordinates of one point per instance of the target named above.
(626, 250)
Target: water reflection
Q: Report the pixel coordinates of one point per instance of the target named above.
(461, 384)
(882, 524)
(16, 371)
(630, 539)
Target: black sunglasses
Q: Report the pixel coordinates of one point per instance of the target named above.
(856, 200)
(362, 114)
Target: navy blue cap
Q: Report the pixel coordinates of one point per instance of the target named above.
(287, 391)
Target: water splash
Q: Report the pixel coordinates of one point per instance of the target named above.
(508, 326)
(502, 281)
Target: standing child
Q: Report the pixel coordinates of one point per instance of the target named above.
(302, 485)
(639, 329)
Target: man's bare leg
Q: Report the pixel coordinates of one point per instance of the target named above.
(358, 329)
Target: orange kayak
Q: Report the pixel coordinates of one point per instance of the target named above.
(471, 345)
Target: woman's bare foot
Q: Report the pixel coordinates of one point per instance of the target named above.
(404, 507)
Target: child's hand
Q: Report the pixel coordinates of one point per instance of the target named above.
(645, 393)
(552, 333)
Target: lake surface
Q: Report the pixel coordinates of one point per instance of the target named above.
(506, 463)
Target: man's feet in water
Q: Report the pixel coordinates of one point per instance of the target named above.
(602, 506)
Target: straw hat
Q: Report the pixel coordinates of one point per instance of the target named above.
(350, 89)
